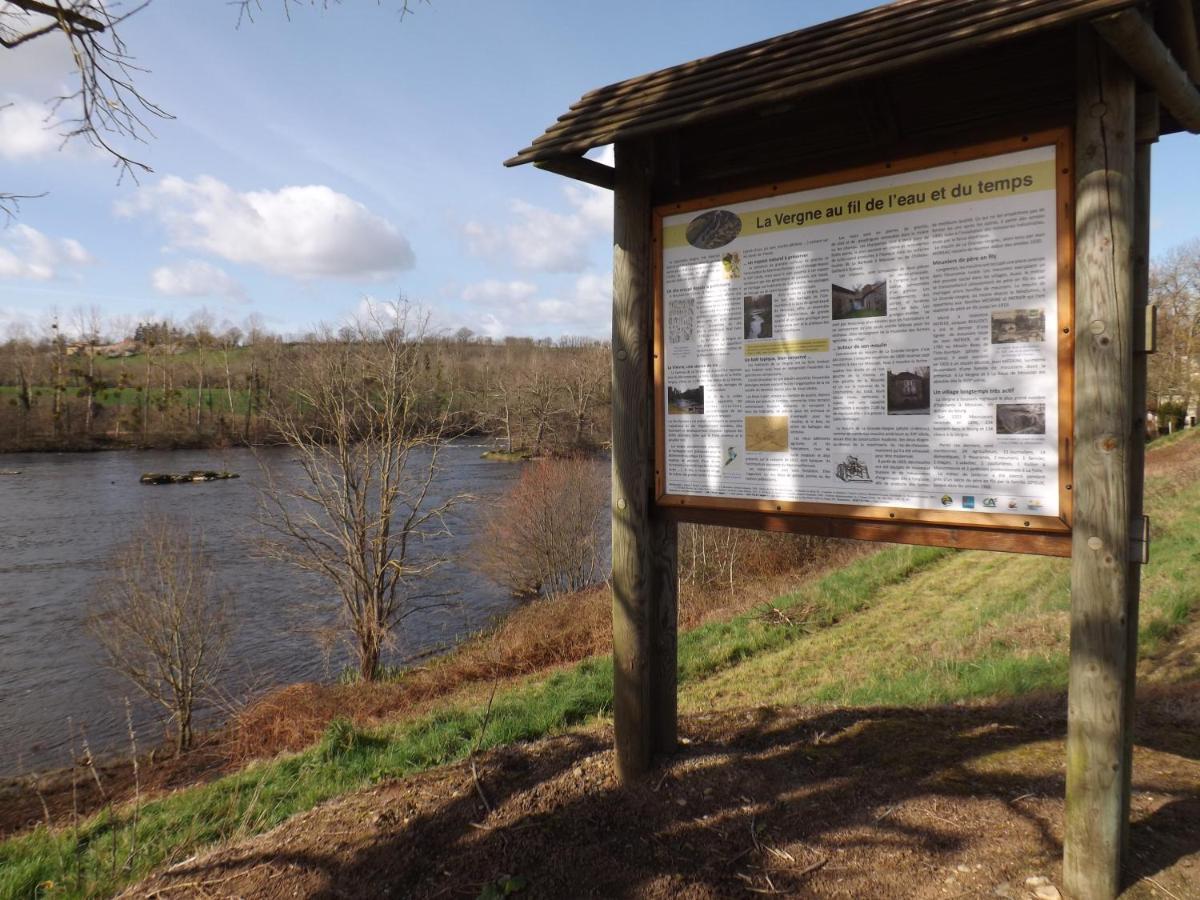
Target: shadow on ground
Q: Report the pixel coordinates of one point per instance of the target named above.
(959, 801)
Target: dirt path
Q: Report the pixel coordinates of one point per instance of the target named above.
(948, 802)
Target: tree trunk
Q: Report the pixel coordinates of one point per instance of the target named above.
(368, 657)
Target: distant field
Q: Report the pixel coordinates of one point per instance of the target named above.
(214, 398)
(213, 359)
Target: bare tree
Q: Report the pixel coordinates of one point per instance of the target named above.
(161, 622)
(362, 509)
(1175, 289)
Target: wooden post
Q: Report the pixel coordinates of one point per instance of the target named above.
(1097, 760)
(644, 575)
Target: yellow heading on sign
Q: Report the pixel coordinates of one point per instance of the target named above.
(886, 201)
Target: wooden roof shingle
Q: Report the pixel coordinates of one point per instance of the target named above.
(780, 69)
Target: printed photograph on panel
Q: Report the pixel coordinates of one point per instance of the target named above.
(713, 229)
(685, 399)
(758, 318)
(862, 302)
(908, 392)
(1018, 326)
(767, 434)
(732, 264)
(1020, 418)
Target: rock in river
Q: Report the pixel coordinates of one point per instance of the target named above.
(187, 477)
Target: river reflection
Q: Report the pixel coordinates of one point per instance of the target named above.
(61, 521)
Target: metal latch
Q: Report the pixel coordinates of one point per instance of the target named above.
(1139, 543)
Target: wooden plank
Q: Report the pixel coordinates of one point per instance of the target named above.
(581, 169)
(644, 577)
(1178, 20)
(1100, 552)
(892, 515)
(1134, 40)
(921, 535)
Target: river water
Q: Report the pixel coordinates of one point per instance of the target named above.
(62, 520)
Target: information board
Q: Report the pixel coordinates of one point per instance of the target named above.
(890, 343)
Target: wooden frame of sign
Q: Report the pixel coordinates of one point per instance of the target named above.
(1024, 531)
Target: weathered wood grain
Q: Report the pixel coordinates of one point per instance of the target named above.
(1097, 779)
(923, 535)
(644, 575)
(874, 44)
(1134, 40)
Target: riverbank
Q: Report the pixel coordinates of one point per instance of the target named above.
(899, 628)
(533, 640)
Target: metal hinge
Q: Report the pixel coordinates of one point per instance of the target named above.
(1146, 337)
(1139, 543)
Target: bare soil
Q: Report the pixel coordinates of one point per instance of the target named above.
(962, 801)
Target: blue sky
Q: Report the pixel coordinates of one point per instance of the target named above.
(345, 155)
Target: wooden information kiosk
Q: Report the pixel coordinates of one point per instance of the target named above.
(885, 278)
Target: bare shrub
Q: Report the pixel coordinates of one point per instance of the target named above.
(710, 556)
(161, 622)
(547, 535)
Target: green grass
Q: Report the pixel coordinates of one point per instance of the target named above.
(907, 626)
(977, 625)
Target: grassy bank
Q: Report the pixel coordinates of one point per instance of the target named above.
(902, 626)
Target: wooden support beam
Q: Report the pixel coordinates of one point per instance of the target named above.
(581, 169)
(644, 572)
(1098, 706)
(1135, 41)
(1178, 21)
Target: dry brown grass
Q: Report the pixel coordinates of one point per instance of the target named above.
(537, 637)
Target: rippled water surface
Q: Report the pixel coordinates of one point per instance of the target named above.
(61, 521)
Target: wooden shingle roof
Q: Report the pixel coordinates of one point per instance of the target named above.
(780, 69)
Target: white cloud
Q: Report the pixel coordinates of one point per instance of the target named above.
(306, 231)
(584, 309)
(27, 253)
(543, 240)
(195, 278)
(493, 291)
(41, 68)
(24, 131)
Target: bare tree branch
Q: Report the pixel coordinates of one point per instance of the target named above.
(106, 108)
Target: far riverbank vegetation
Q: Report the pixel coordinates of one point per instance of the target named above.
(84, 383)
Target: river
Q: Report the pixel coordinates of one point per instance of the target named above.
(64, 517)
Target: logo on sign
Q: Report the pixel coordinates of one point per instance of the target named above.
(989, 502)
(968, 502)
(947, 499)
